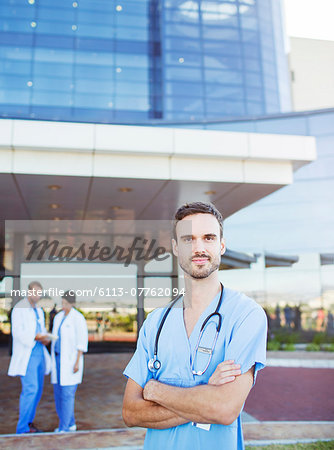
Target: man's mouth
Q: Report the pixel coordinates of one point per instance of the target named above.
(200, 260)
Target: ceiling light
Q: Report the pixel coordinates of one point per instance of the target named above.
(210, 192)
(54, 206)
(125, 189)
(54, 187)
(115, 208)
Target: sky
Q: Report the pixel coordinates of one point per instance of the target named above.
(310, 18)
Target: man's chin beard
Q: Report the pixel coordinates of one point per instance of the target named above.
(197, 275)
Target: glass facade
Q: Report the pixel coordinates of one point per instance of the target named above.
(127, 61)
(298, 219)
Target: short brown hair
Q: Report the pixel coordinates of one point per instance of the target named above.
(189, 209)
(34, 283)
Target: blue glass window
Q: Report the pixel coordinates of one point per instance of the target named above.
(179, 88)
(51, 98)
(182, 30)
(94, 100)
(223, 76)
(187, 60)
(132, 103)
(109, 60)
(15, 96)
(222, 62)
(217, 33)
(52, 83)
(189, 104)
(229, 107)
(183, 73)
(222, 91)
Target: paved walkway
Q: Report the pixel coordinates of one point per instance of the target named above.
(281, 394)
(131, 439)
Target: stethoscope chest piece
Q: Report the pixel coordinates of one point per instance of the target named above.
(154, 364)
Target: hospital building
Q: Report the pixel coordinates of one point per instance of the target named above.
(116, 112)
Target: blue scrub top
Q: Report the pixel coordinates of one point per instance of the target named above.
(242, 338)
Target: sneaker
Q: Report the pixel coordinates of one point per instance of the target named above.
(33, 428)
(71, 428)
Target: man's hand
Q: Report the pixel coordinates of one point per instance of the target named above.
(76, 367)
(42, 338)
(150, 389)
(225, 372)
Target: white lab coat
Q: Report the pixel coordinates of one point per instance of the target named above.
(24, 332)
(74, 337)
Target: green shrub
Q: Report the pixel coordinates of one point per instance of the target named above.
(328, 347)
(319, 338)
(312, 347)
(273, 346)
(287, 336)
(289, 347)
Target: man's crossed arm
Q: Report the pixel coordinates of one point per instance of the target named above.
(161, 406)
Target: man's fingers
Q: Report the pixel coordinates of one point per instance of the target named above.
(229, 373)
(219, 381)
(226, 380)
(227, 367)
(228, 361)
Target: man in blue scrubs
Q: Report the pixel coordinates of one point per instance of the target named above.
(30, 359)
(183, 405)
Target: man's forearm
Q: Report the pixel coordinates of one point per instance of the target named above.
(143, 413)
(197, 404)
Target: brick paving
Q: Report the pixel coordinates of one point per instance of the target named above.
(282, 393)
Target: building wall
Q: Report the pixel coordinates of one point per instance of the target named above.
(312, 70)
(106, 61)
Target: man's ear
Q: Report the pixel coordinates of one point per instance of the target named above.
(175, 248)
(222, 247)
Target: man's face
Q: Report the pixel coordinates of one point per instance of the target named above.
(35, 289)
(198, 245)
(66, 305)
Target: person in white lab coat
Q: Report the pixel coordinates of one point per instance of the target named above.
(30, 359)
(67, 359)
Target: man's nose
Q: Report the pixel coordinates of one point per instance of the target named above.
(198, 246)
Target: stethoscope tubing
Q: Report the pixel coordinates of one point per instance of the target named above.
(215, 313)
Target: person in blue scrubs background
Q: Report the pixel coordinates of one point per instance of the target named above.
(30, 359)
(194, 400)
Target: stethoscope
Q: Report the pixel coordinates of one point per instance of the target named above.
(154, 363)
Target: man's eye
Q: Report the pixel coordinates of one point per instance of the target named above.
(187, 239)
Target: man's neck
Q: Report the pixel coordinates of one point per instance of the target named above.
(200, 292)
(32, 303)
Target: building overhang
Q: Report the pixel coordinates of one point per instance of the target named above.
(236, 260)
(157, 168)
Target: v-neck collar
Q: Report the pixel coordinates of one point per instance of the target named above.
(195, 331)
